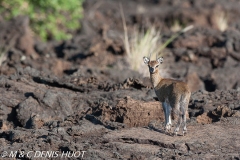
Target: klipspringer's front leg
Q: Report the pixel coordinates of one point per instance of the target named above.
(167, 114)
(169, 119)
(164, 105)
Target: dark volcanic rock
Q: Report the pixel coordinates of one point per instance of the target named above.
(210, 107)
(81, 95)
(51, 117)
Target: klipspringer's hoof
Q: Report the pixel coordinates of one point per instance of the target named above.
(175, 134)
(168, 127)
(184, 133)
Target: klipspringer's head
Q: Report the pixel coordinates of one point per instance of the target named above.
(153, 65)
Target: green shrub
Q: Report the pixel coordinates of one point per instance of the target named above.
(50, 19)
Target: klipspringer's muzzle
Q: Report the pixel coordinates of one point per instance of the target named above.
(151, 70)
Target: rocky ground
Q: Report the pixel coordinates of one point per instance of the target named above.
(81, 95)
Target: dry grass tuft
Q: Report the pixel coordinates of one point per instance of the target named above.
(144, 43)
(3, 55)
(221, 20)
(139, 44)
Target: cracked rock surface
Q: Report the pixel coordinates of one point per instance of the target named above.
(81, 95)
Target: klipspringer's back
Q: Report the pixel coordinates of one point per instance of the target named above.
(167, 88)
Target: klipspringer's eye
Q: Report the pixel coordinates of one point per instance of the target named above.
(157, 66)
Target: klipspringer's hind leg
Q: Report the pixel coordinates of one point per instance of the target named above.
(184, 124)
(178, 125)
(177, 115)
(184, 109)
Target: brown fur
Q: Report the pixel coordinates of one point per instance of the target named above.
(173, 92)
(166, 87)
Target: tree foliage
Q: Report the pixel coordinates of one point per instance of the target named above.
(50, 19)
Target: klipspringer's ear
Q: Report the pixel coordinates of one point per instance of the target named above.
(160, 60)
(146, 60)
